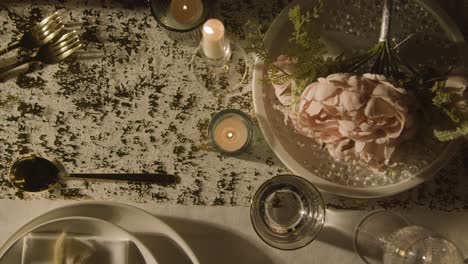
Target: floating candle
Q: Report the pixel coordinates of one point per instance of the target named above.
(213, 41)
(231, 131)
(186, 12)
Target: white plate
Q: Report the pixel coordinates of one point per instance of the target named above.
(162, 240)
(82, 226)
(292, 149)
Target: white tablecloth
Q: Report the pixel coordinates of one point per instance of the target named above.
(225, 234)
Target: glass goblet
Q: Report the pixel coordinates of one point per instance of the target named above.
(386, 237)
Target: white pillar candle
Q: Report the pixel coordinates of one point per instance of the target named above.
(231, 133)
(213, 42)
(186, 12)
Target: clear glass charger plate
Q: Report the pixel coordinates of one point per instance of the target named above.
(352, 27)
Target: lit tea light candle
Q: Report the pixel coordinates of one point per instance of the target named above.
(213, 42)
(231, 134)
(231, 131)
(186, 12)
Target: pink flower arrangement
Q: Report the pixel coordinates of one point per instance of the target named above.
(354, 116)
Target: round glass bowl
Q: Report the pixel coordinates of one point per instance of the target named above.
(287, 212)
(416, 160)
(231, 132)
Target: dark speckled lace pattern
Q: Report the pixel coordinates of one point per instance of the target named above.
(127, 102)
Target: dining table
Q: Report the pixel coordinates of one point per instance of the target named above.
(127, 102)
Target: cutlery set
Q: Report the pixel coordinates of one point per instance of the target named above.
(54, 44)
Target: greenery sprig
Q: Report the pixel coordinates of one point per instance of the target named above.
(444, 101)
(450, 123)
(306, 52)
(447, 135)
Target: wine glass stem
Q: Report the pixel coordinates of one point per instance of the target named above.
(386, 20)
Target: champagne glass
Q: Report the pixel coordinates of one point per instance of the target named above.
(287, 212)
(386, 237)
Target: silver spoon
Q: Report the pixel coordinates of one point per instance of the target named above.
(35, 174)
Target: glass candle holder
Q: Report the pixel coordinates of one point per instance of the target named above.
(231, 132)
(219, 61)
(181, 18)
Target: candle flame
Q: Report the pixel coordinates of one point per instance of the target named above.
(230, 135)
(208, 30)
(184, 7)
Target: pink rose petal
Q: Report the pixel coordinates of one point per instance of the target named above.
(324, 90)
(351, 101)
(314, 108)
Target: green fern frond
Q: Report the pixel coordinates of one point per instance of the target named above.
(306, 52)
(301, 23)
(447, 135)
(443, 100)
(255, 39)
(440, 97)
(277, 77)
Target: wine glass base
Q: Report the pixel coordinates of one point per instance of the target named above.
(231, 75)
(371, 233)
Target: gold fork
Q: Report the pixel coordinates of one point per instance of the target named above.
(39, 34)
(52, 52)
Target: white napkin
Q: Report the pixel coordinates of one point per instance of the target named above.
(38, 248)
